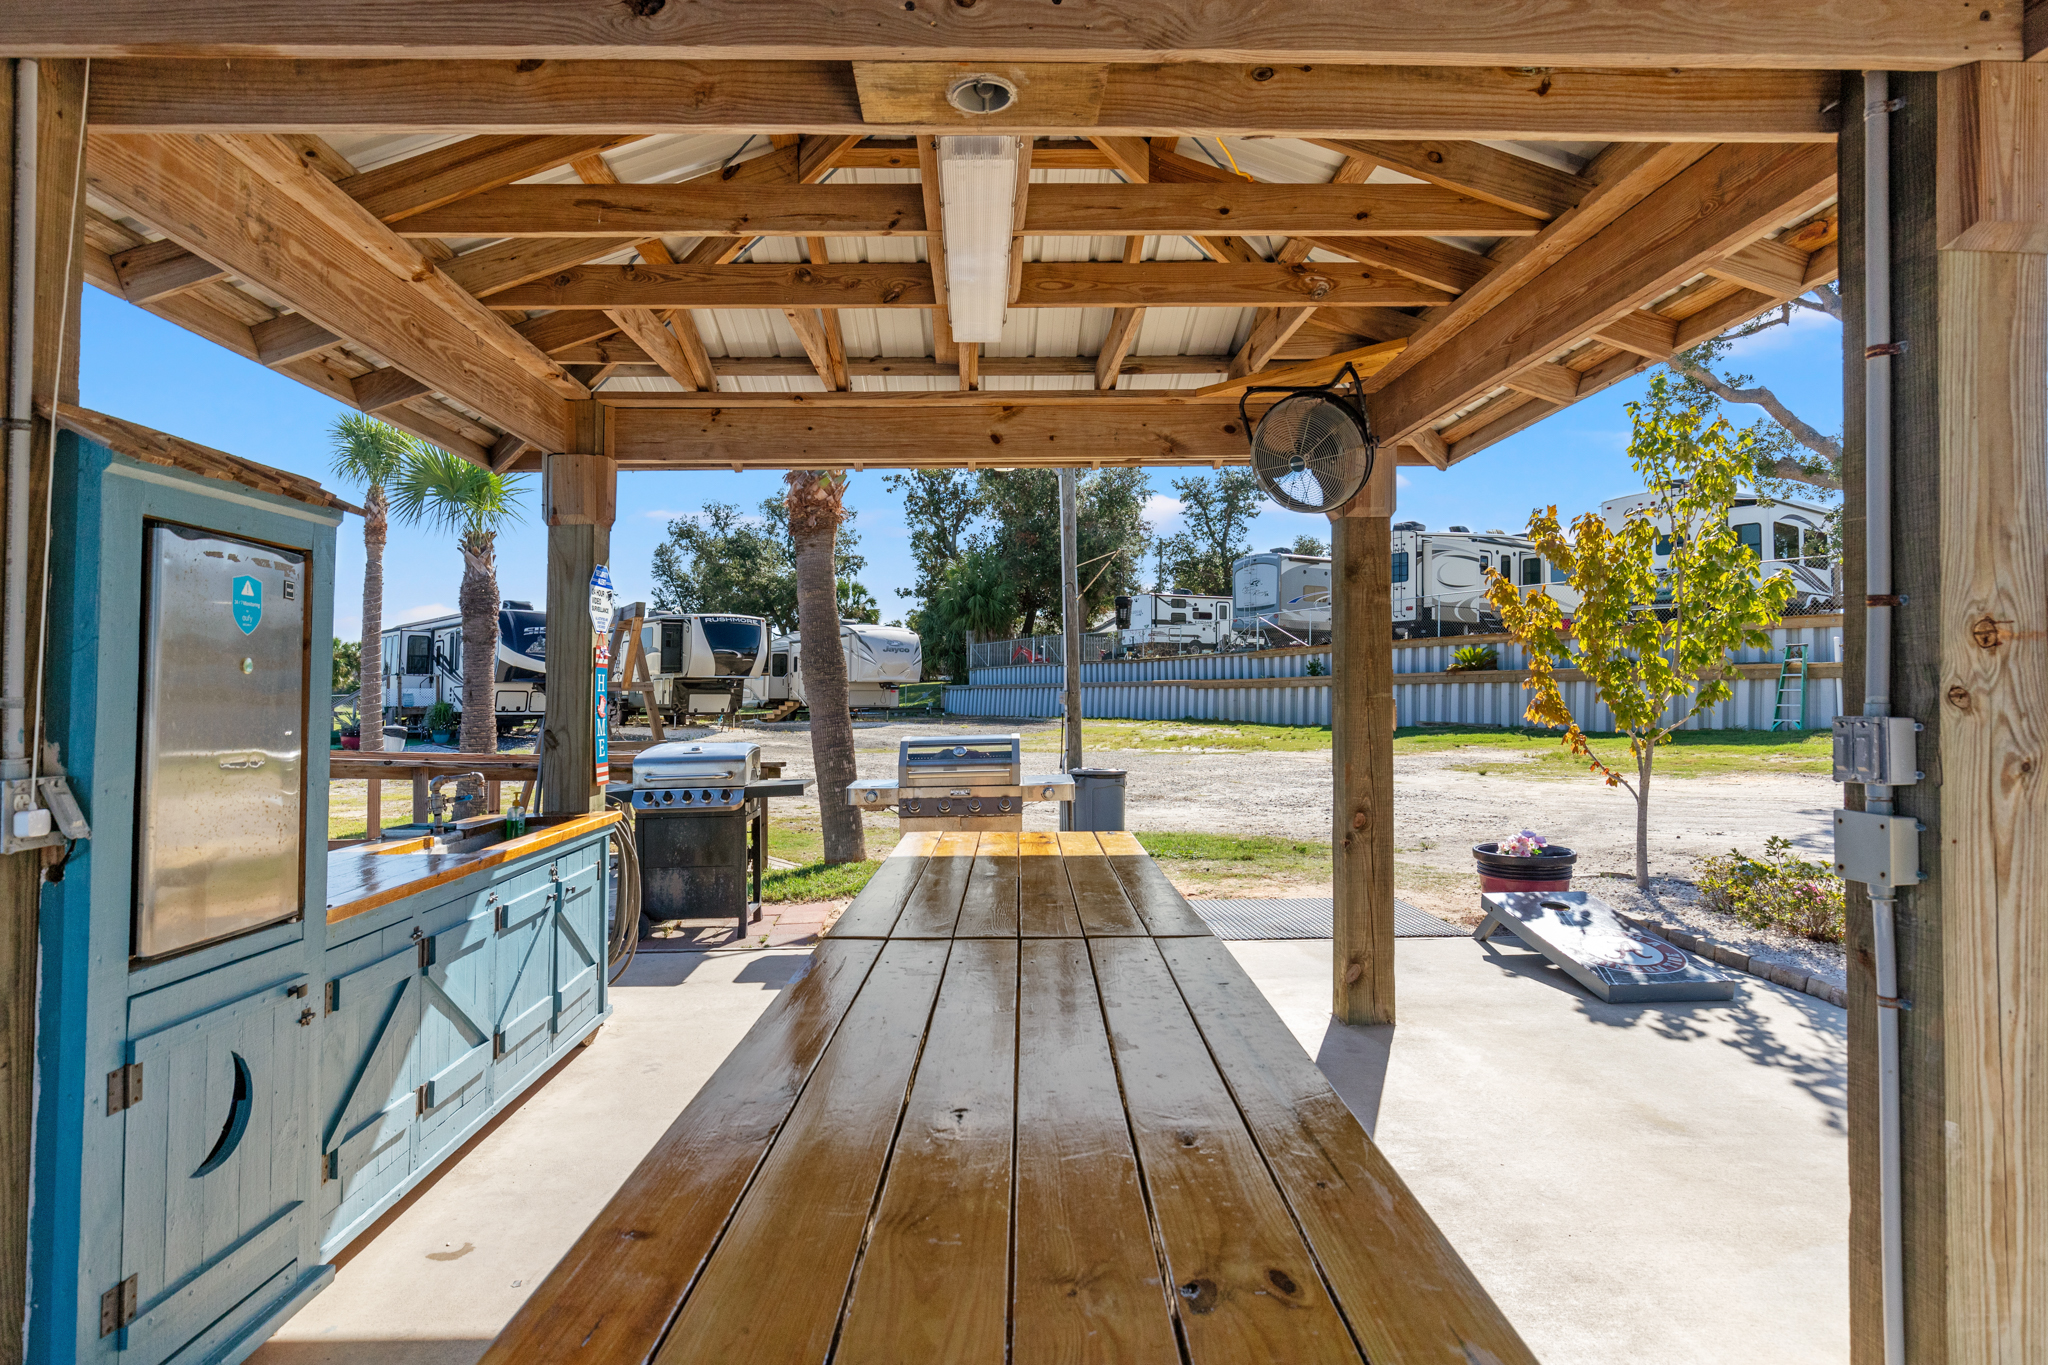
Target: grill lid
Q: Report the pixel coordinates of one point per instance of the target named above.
(974, 759)
(690, 763)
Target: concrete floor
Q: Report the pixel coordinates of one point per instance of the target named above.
(1632, 1183)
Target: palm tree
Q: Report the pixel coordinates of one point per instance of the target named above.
(816, 503)
(370, 452)
(447, 491)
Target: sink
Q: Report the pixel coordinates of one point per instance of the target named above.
(471, 836)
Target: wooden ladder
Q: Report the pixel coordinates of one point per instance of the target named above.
(1791, 709)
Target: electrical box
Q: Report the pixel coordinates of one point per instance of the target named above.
(1877, 751)
(1880, 850)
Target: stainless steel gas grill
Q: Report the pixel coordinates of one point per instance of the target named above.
(965, 782)
(693, 805)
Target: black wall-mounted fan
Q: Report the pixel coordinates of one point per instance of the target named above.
(1313, 450)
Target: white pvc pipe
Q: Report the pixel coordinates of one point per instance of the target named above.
(1877, 667)
(20, 410)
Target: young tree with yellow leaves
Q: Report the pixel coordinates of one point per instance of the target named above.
(1653, 642)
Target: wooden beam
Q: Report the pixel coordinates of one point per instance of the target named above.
(577, 543)
(1430, 446)
(943, 349)
(1643, 332)
(157, 270)
(1020, 200)
(817, 156)
(1514, 182)
(629, 360)
(1270, 330)
(827, 360)
(688, 209)
(1727, 198)
(1262, 209)
(833, 371)
(1195, 284)
(657, 343)
(1345, 96)
(289, 336)
(1767, 267)
(1367, 360)
(1362, 754)
(673, 342)
(1994, 189)
(196, 192)
(474, 165)
(990, 432)
(1132, 156)
(1123, 330)
(387, 388)
(1547, 380)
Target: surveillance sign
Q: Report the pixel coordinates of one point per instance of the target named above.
(601, 599)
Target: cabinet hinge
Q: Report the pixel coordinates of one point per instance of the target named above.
(117, 1307)
(124, 1087)
(333, 994)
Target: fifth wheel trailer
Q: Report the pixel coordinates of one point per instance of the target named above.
(879, 660)
(423, 665)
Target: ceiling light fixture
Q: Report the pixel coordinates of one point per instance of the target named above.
(978, 189)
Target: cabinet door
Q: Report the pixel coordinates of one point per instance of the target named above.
(216, 1170)
(368, 1063)
(525, 982)
(455, 1035)
(579, 946)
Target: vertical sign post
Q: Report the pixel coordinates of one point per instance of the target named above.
(601, 623)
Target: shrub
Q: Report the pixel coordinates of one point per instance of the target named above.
(441, 716)
(1475, 659)
(1315, 667)
(1779, 891)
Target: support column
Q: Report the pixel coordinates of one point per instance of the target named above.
(581, 493)
(1362, 752)
(1071, 626)
(59, 270)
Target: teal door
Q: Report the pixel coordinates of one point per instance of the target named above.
(455, 1035)
(524, 950)
(579, 948)
(368, 1060)
(217, 1164)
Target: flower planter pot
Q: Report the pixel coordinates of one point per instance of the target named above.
(352, 742)
(1550, 870)
(441, 736)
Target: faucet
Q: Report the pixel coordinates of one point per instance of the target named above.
(438, 803)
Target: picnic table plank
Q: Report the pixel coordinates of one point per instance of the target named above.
(933, 909)
(1088, 1285)
(774, 1290)
(612, 1296)
(990, 910)
(873, 913)
(1045, 900)
(1247, 1286)
(1407, 1293)
(933, 1284)
(1098, 896)
(1159, 902)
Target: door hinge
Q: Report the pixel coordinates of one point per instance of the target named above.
(117, 1307)
(124, 1087)
(419, 1095)
(333, 993)
(426, 953)
(330, 1167)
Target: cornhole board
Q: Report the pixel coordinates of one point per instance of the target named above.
(1589, 942)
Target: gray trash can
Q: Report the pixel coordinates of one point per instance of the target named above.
(1098, 798)
(394, 738)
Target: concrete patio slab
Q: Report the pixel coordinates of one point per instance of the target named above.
(1632, 1182)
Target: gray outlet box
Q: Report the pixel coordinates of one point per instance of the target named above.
(1878, 751)
(1881, 851)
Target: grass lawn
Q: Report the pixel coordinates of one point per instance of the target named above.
(1185, 736)
(1691, 753)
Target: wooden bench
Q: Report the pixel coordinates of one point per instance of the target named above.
(1022, 1101)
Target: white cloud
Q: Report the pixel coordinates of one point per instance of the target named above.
(424, 612)
(1161, 509)
(1400, 480)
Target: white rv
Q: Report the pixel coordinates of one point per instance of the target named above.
(1785, 535)
(1440, 578)
(1283, 597)
(701, 664)
(879, 660)
(1173, 623)
(423, 665)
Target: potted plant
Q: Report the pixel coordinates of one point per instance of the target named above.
(352, 736)
(1474, 659)
(441, 720)
(1524, 862)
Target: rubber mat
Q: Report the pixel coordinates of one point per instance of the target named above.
(1309, 917)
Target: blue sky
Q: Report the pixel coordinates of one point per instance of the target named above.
(137, 366)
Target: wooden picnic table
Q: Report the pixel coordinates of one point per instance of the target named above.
(1022, 1106)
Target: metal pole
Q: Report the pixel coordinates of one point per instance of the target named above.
(1070, 619)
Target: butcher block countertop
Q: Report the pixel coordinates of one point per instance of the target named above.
(363, 877)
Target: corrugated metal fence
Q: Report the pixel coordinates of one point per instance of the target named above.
(1275, 687)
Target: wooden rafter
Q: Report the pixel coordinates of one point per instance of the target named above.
(1514, 182)
(475, 165)
(1340, 98)
(943, 349)
(197, 192)
(672, 342)
(689, 209)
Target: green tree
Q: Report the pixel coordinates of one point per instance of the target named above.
(975, 594)
(1654, 645)
(369, 452)
(446, 491)
(814, 506)
(1216, 515)
(726, 561)
(1309, 545)
(1022, 532)
(938, 506)
(348, 668)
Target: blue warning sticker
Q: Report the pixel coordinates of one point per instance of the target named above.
(248, 603)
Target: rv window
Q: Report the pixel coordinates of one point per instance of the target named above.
(673, 645)
(419, 654)
(1751, 534)
(1205, 616)
(1784, 540)
(1179, 602)
(1400, 566)
(1223, 611)
(1556, 574)
(650, 647)
(1663, 545)
(1179, 618)
(1532, 571)
(734, 644)
(778, 665)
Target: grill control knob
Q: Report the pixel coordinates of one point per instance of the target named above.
(959, 751)
(974, 806)
(725, 794)
(945, 806)
(705, 796)
(1003, 804)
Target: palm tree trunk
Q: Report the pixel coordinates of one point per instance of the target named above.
(370, 677)
(814, 527)
(479, 647)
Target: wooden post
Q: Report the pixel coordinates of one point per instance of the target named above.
(60, 215)
(422, 802)
(1362, 752)
(373, 811)
(581, 492)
